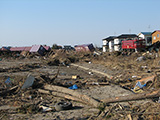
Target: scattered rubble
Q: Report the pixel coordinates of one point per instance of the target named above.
(68, 85)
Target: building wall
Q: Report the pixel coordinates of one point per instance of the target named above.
(142, 36)
(117, 41)
(117, 44)
(117, 47)
(105, 45)
(104, 48)
(105, 42)
(155, 37)
(111, 46)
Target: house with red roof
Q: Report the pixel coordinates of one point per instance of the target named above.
(48, 48)
(20, 49)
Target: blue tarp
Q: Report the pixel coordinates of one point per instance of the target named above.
(8, 82)
(139, 85)
(74, 87)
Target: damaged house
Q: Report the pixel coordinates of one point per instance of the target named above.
(84, 48)
(147, 36)
(38, 49)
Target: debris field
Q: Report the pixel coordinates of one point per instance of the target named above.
(65, 85)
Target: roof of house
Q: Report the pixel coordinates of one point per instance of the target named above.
(20, 48)
(127, 36)
(84, 45)
(27, 48)
(35, 48)
(110, 38)
(156, 31)
(17, 48)
(4, 49)
(46, 47)
(146, 33)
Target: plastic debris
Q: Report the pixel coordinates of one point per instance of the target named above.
(140, 58)
(45, 108)
(75, 77)
(74, 87)
(134, 76)
(63, 105)
(90, 73)
(29, 82)
(137, 88)
(139, 85)
(8, 82)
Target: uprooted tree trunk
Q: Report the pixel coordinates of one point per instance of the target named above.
(133, 97)
(74, 93)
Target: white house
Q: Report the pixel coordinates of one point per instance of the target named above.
(105, 43)
(147, 36)
(108, 44)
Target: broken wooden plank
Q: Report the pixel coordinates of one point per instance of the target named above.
(133, 97)
(80, 96)
(58, 94)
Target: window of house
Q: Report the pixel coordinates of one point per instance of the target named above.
(157, 35)
(154, 37)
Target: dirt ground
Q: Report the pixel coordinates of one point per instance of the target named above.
(19, 104)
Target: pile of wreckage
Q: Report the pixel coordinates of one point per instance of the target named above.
(34, 94)
(42, 50)
(27, 95)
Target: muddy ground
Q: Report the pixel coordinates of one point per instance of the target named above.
(19, 104)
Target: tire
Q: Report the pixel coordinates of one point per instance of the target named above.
(63, 106)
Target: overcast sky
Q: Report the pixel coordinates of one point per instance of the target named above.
(71, 22)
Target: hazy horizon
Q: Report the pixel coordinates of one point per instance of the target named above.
(70, 22)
